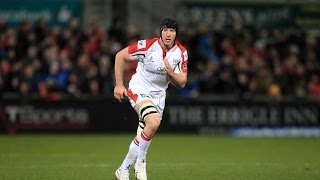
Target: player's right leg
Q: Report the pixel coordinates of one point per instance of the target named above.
(123, 171)
(121, 175)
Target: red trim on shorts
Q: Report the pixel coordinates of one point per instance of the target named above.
(132, 96)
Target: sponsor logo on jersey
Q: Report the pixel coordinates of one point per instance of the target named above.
(149, 60)
(144, 95)
(142, 44)
(160, 68)
(157, 73)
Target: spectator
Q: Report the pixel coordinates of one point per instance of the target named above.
(237, 60)
(106, 75)
(314, 86)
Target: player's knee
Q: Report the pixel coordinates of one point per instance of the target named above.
(153, 123)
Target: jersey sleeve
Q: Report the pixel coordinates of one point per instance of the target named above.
(183, 65)
(138, 50)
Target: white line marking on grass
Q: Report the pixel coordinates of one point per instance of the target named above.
(155, 164)
(48, 154)
(101, 165)
(173, 164)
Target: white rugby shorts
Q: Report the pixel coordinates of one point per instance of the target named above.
(158, 98)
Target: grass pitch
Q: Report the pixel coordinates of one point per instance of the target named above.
(170, 157)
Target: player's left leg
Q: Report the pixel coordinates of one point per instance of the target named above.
(148, 113)
(131, 156)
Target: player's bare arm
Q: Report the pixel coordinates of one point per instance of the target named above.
(177, 79)
(119, 90)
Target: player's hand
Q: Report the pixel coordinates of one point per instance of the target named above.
(167, 67)
(120, 92)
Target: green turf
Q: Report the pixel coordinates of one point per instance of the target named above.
(176, 157)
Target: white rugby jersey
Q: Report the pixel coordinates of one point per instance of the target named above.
(150, 73)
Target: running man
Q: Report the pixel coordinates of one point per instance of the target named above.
(161, 60)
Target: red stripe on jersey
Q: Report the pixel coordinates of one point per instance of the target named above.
(133, 48)
(184, 66)
(164, 50)
(132, 96)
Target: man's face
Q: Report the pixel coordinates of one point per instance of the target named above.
(168, 36)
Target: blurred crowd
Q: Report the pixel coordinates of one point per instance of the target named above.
(247, 61)
(236, 60)
(55, 61)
